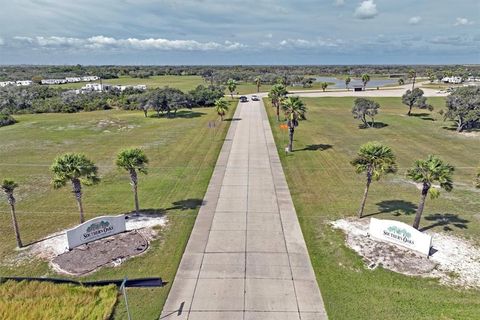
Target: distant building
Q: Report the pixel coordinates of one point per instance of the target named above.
(73, 79)
(53, 81)
(7, 83)
(455, 80)
(24, 82)
(93, 87)
(90, 78)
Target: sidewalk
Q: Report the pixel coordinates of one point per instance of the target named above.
(246, 258)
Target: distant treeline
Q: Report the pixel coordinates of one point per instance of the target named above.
(41, 99)
(219, 74)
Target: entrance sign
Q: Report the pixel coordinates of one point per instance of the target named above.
(95, 229)
(401, 234)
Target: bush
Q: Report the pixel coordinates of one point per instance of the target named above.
(6, 119)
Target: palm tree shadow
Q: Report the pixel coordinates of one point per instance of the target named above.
(232, 119)
(187, 204)
(316, 147)
(397, 207)
(446, 221)
(187, 114)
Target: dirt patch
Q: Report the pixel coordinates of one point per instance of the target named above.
(108, 251)
(453, 260)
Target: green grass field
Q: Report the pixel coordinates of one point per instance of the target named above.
(182, 153)
(41, 300)
(325, 187)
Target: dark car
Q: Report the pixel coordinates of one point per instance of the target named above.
(243, 99)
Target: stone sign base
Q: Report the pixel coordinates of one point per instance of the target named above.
(107, 251)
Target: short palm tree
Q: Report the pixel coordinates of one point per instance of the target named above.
(365, 80)
(77, 169)
(347, 82)
(294, 109)
(133, 160)
(9, 186)
(231, 85)
(221, 106)
(258, 83)
(324, 86)
(427, 172)
(277, 93)
(376, 160)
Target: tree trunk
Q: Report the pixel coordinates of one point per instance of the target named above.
(15, 225)
(145, 112)
(231, 94)
(421, 205)
(290, 143)
(409, 110)
(373, 122)
(278, 112)
(365, 194)
(413, 83)
(134, 184)
(258, 88)
(77, 190)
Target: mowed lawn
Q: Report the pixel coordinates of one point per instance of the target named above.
(42, 300)
(182, 153)
(325, 187)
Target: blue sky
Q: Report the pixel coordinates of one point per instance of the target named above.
(239, 31)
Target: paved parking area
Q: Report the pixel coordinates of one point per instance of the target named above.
(246, 258)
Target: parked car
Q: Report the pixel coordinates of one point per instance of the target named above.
(243, 99)
(255, 98)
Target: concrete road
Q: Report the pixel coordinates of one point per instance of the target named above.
(246, 258)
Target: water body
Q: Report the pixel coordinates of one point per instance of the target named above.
(340, 83)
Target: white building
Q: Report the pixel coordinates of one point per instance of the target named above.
(24, 82)
(73, 79)
(90, 78)
(53, 81)
(455, 80)
(93, 87)
(6, 83)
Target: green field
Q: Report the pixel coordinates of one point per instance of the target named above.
(41, 300)
(182, 153)
(325, 187)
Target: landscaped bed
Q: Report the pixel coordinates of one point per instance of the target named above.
(42, 300)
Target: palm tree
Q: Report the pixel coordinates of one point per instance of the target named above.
(133, 160)
(232, 85)
(276, 94)
(347, 82)
(324, 86)
(365, 80)
(294, 110)
(376, 160)
(401, 82)
(221, 106)
(78, 169)
(258, 82)
(412, 74)
(9, 186)
(427, 172)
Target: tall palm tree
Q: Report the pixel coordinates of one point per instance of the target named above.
(77, 169)
(9, 186)
(347, 82)
(221, 106)
(133, 160)
(258, 82)
(412, 74)
(294, 110)
(365, 80)
(232, 85)
(376, 160)
(427, 172)
(276, 94)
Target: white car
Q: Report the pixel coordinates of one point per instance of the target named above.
(255, 98)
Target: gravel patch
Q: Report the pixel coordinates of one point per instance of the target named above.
(453, 260)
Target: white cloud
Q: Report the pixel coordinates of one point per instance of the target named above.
(339, 2)
(2, 42)
(462, 22)
(97, 42)
(366, 10)
(308, 44)
(269, 35)
(415, 20)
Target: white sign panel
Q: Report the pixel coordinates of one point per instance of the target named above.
(95, 229)
(401, 234)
